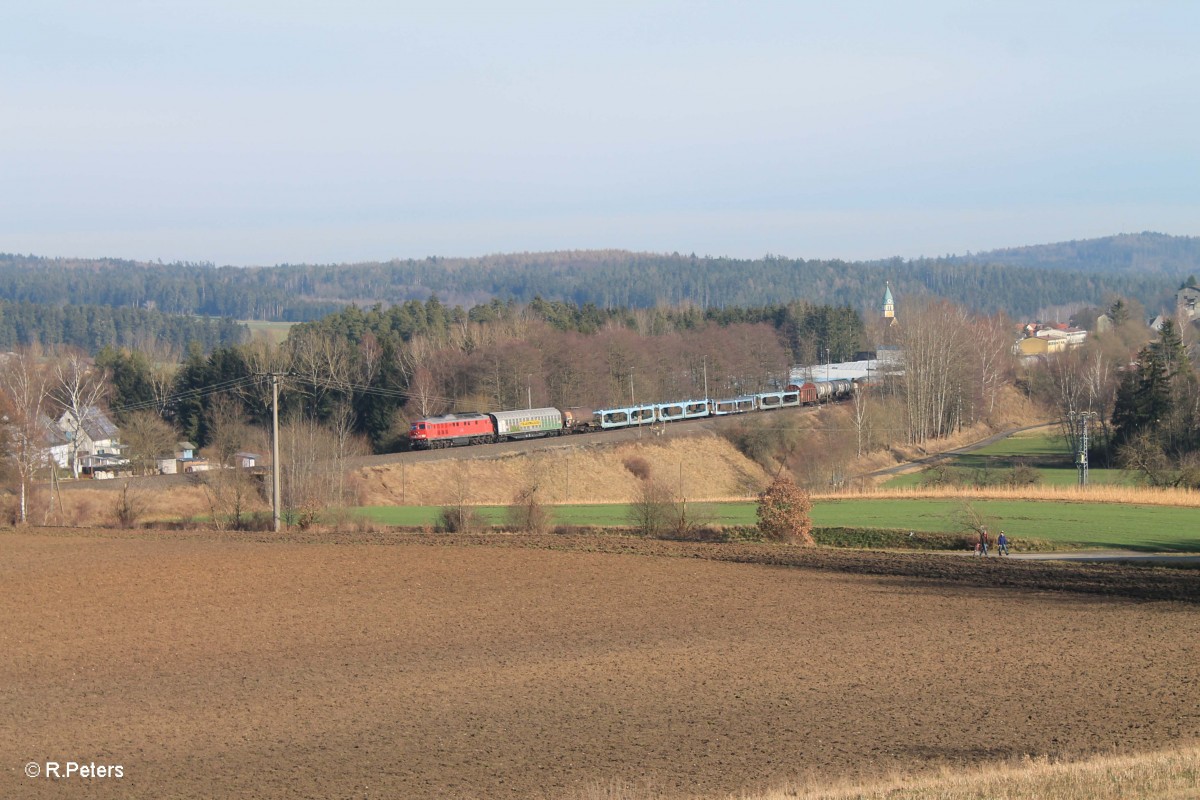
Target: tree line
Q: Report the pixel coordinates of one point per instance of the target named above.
(374, 370)
(1139, 391)
(604, 279)
(91, 327)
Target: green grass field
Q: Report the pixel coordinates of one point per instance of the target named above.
(1043, 449)
(275, 331)
(1149, 528)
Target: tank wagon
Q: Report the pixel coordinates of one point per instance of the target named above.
(814, 392)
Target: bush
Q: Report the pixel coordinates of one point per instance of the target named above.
(783, 512)
(527, 514)
(638, 467)
(1023, 475)
(653, 509)
(457, 519)
(129, 506)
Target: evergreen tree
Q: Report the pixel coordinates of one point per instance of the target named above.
(1143, 396)
(1169, 348)
(1118, 312)
(1124, 416)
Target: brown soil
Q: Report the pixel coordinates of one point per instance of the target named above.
(376, 665)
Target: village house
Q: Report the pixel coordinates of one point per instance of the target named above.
(58, 446)
(1045, 339)
(93, 442)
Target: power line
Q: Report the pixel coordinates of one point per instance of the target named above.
(187, 394)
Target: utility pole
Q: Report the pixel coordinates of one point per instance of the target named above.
(275, 450)
(706, 379)
(1081, 443)
(631, 401)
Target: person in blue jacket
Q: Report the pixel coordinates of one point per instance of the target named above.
(1002, 544)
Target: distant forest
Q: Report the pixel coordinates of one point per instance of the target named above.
(94, 327)
(1147, 267)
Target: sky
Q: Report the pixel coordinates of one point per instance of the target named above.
(258, 132)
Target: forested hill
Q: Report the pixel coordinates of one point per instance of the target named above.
(1019, 282)
(93, 327)
(1142, 253)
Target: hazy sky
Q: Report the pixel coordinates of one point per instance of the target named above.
(256, 132)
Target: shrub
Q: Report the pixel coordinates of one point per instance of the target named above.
(129, 506)
(527, 514)
(638, 467)
(653, 509)
(783, 512)
(1023, 475)
(457, 519)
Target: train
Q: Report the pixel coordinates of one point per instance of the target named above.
(451, 430)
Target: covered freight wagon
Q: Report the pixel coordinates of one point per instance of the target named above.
(527, 423)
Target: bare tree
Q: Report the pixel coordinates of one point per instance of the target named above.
(26, 383)
(527, 513)
(370, 358)
(346, 445)
(459, 516)
(423, 392)
(652, 511)
(993, 339)
(320, 359)
(934, 341)
(228, 430)
(312, 479)
(164, 367)
(147, 438)
(859, 417)
(78, 389)
(232, 494)
(130, 505)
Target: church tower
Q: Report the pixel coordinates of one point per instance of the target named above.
(889, 305)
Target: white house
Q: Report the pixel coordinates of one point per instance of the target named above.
(92, 435)
(58, 446)
(245, 460)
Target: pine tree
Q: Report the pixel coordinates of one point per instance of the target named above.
(1170, 349)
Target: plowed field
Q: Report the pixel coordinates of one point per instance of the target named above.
(383, 667)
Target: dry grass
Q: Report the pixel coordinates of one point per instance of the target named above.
(83, 507)
(1130, 495)
(1170, 775)
(707, 467)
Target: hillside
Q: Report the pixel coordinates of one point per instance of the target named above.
(708, 466)
(1019, 281)
(1144, 253)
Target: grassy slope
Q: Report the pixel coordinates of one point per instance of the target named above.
(1043, 449)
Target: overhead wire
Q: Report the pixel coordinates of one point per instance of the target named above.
(187, 394)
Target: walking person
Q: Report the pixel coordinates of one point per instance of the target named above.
(1002, 544)
(983, 541)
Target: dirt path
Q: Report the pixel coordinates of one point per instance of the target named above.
(936, 457)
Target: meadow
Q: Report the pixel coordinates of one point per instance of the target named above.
(276, 332)
(1044, 450)
(1142, 527)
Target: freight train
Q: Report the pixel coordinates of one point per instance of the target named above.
(450, 430)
